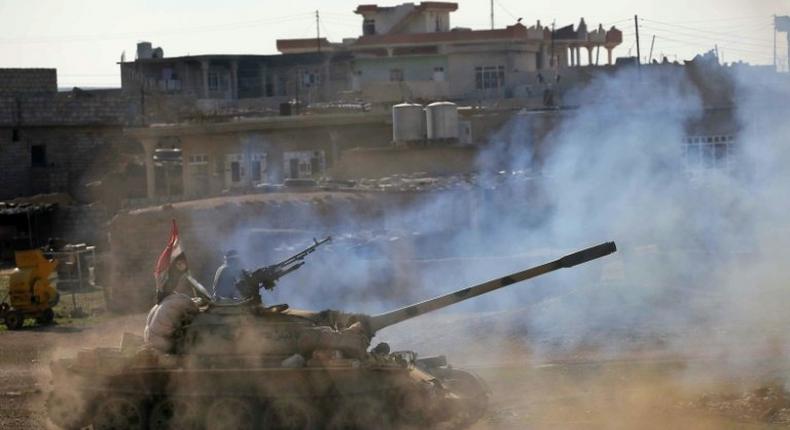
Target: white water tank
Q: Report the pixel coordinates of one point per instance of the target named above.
(408, 123)
(442, 120)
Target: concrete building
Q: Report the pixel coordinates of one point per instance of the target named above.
(179, 88)
(57, 141)
(412, 52)
(236, 156)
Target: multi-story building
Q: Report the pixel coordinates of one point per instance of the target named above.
(405, 52)
(412, 52)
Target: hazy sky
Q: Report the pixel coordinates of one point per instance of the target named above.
(84, 39)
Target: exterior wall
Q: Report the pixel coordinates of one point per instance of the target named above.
(461, 72)
(419, 68)
(28, 81)
(73, 156)
(207, 157)
(387, 18)
(14, 166)
(73, 130)
(429, 22)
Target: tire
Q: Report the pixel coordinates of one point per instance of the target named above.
(14, 320)
(360, 414)
(170, 414)
(46, 317)
(231, 413)
(290, 414)
(65, 409)
(120, 412)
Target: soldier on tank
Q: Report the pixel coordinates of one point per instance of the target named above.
(227, 276)
(176, 280)
(174, 292)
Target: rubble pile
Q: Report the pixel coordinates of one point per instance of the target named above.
(769, 403)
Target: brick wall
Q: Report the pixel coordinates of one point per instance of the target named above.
(28, 81)
(74, 156)
(70, 108)
(14, 166)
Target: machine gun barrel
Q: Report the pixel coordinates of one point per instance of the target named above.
(268, 276)
(387, 319)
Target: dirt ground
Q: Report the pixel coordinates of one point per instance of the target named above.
(575, 394)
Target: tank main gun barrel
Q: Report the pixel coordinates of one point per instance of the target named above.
(377, 322)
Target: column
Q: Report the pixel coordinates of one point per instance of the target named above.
(262, 73)
(589, 55)
(609, 55)
(578, 56)
(234, 80)
(149, 145)
(204, 68)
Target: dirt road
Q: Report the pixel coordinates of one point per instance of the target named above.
(611, 394)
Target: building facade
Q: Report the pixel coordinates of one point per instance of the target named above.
(57, 141)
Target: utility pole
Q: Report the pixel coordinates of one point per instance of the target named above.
(552, 61)
(774, 42)
(638, 57)
(492, 14)
(652, 42)
(317, 32)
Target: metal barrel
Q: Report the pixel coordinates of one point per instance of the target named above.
(377, 322)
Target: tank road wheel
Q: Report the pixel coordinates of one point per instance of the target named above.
(290, 414)
(14, 320)
(230, 413)
(472, 401)
(65, 409)
(119, 412)
(46, 317)
(173, 414)
(360, 414)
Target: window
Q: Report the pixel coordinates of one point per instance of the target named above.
(213, 81)
(396, 75)
(489, 77)
(15, 135)
(217, 81)
(438, 73)
(198, 164)
(368, 27)
(258, 166)
(708, 152)
(38, 155)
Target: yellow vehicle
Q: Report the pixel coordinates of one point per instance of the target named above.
(31, 294)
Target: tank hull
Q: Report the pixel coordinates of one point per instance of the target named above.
(105, 389)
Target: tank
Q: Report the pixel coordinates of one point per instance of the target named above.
(243, 365)
(442, 121)
(408, 123)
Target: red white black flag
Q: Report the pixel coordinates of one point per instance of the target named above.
(167, 257)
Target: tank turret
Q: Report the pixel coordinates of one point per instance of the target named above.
(244, 365)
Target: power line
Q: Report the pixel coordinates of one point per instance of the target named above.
(619, 21)
(740, 18)
(714, 39)
(728, 47)
(501, 6)
(717, 33)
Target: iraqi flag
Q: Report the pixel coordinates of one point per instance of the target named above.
(167, 257)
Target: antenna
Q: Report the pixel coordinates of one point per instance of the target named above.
(774, 42)
(652, 43)
(492, 14)
(317, 31)
(638, 57)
